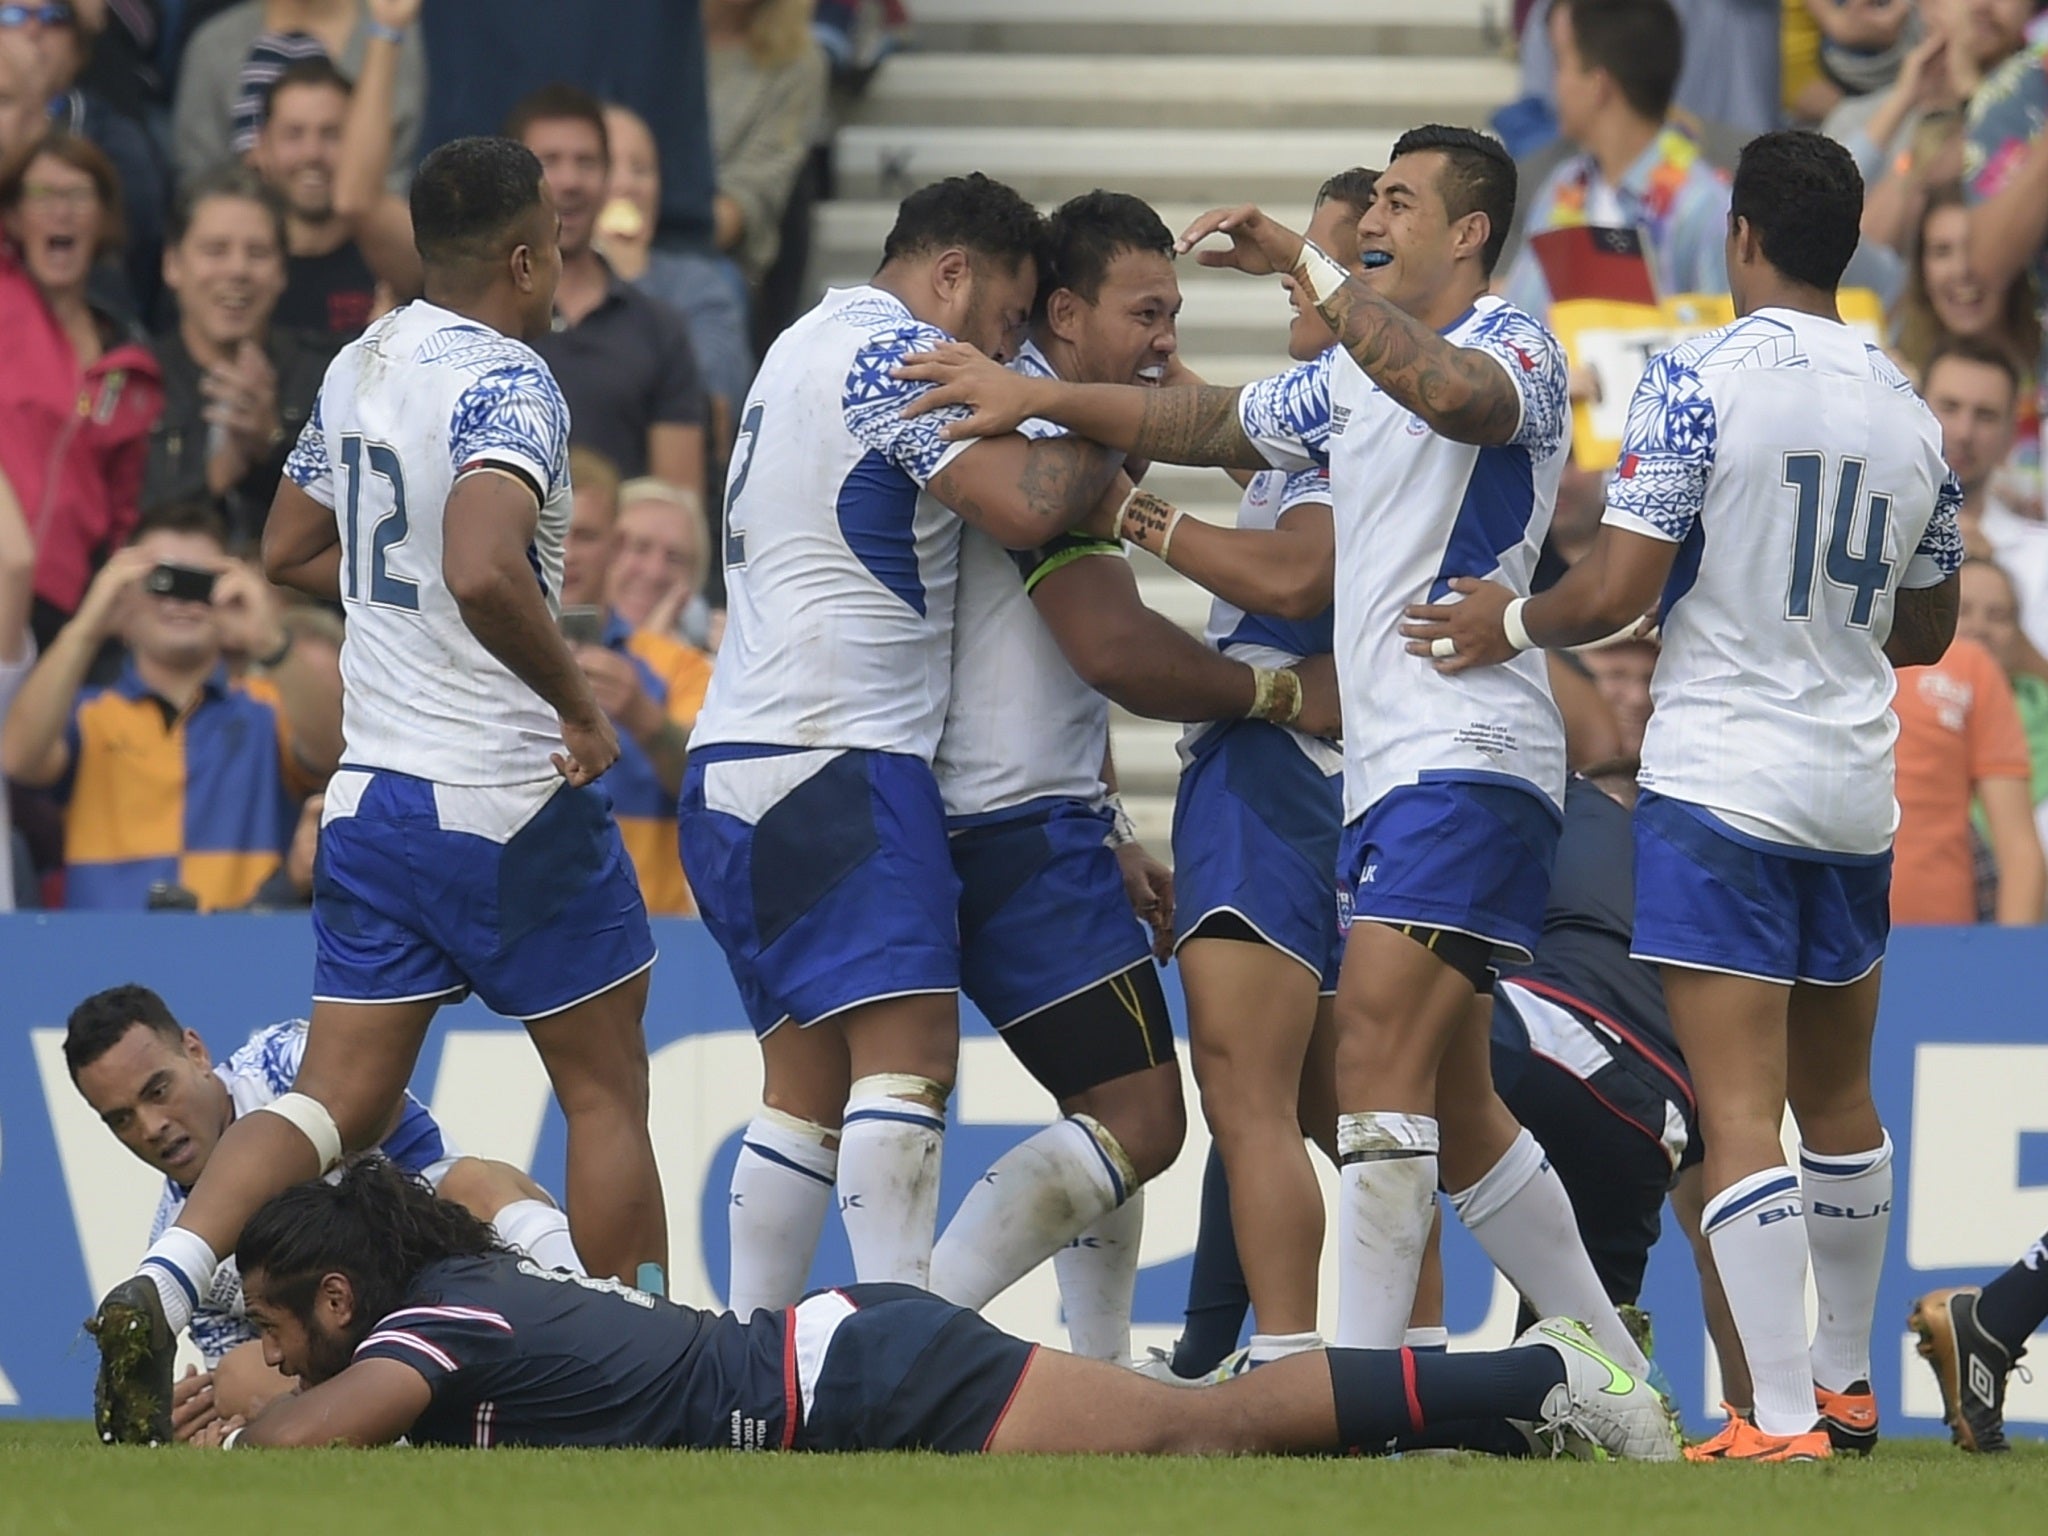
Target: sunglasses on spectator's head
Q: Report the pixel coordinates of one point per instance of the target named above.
(13, 16)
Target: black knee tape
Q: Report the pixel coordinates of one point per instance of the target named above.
(1116, 1027)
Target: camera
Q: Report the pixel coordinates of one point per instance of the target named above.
(185, 583)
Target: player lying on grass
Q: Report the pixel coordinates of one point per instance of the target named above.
(152, 1083)
(402, 1315)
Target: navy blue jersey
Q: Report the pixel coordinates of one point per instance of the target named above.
(1583, 956)
(521, 1355)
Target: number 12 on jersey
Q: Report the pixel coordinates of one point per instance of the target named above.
(387, 527)
(1861, 570)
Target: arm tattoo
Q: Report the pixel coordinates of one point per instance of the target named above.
(1063, 478)
(1923, 624)
(1195, 424)
(1463, 394)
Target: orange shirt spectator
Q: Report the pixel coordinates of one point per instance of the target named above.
(1960, 739)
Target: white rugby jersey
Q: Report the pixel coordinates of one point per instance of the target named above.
(421, 397)
(261, 1073)
(1803, 483)
(1021, 725)
(1260, 639)
(1412, 510)
(840, 572)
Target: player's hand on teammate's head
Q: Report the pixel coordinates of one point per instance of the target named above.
(997, 399)
(592, 747)
(1322, 713)
(1472, 625)
(1258, 245)
(192, 1405)
(1149, 885)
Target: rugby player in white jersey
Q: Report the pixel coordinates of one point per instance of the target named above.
(463, 848)
(1050, 952)
(1444, 422)
(810, 824)
(1783, 489)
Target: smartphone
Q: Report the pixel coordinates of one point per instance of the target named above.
(186, 583)
(583, 625)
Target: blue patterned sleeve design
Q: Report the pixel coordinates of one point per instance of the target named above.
(308, 465)
(1536, 364)
(1667, 453)
(271, 1056)
(1305, 485)
(215, 1332)
(1940, 552)
(872, 403)
(1287, 416)
(514, 417)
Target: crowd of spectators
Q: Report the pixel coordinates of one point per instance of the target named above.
(202, 201)
(1631, 114)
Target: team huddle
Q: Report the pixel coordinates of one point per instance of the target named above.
(1400, 899)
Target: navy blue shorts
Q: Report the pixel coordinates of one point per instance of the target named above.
(406, 910)
(1458, 854)
(894, 1368)
(1714, 899)
(823, 875)
(1043, 912)
(1255, 834)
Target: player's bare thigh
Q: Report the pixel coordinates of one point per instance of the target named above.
(1397, 1007)
(1829, 1032)
(806, 1072)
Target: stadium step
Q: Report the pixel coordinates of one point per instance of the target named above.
(1062, 90)
(1190, 104)
(1228, 28)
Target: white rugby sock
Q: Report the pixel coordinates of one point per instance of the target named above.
(1522, 1217)
(1033, 1201)
(1848, 1217)
(1758, 1236)
(1266, 1347)
(541, 1232)
(1430, 1341)
(781, 1189)
(1388, 1172)
(1098, 1272)
(181, 1266)
(889, 1181)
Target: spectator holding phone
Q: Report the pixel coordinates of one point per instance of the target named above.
(649, 683)
(179, 773)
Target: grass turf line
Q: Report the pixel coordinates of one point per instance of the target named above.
(54, 1480)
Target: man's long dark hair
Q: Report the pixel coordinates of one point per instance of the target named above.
(378, 1226)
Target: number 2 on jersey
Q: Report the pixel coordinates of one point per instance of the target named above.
(742, 466)
(387, 529)
(1862, 571)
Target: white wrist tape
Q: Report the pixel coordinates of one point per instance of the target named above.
(231, 1439)
(1122, 830)
(1323, 276)
(309, 1117)
(1517, 631)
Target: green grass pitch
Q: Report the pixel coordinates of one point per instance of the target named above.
(54, 1480)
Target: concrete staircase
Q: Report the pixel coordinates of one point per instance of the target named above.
(1189, 104)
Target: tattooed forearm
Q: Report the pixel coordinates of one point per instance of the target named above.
(1195, 424)
(1464, 395)
(1923, 623)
